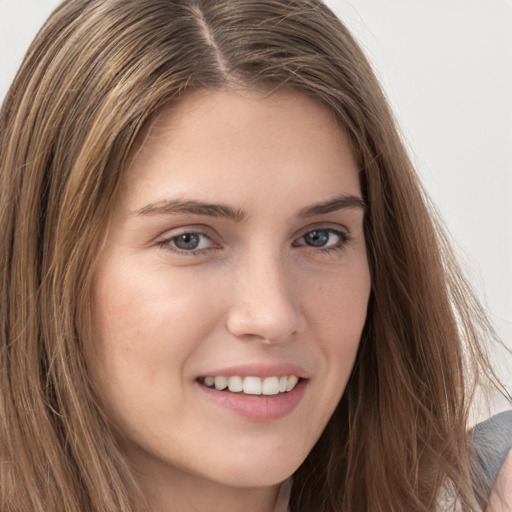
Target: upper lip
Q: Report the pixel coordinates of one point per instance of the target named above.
(260, 370)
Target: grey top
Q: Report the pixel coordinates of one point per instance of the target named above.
(492, 440)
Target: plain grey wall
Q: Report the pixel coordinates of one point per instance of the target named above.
(446, 66)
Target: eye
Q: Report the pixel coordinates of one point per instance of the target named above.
(324, 238)
(188, 242)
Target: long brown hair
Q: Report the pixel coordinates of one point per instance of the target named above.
(95, 74)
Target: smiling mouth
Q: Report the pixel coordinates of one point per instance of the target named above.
(251, 385)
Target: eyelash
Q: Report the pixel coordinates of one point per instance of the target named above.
(166, 244)
(344, 239)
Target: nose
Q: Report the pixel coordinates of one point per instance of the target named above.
(265, 305)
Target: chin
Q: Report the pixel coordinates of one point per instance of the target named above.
(255, 477)
(257, 471)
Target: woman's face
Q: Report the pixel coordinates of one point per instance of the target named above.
(235, 256)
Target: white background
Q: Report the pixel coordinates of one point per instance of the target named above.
(446, 66)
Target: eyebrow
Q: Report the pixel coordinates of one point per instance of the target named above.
(175, 206)
(342, 202)
(192, 207)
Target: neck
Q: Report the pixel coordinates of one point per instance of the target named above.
(196, 494)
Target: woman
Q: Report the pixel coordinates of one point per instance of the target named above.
(219, 270)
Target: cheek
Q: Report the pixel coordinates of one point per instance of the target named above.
(142, 327)
(144, 334)
(338, 307)
(145, 307)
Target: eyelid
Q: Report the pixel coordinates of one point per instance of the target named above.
(165, 241)
(340, 231)
(187, 228)
(328, 226)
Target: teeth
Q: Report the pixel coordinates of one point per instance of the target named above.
(235, 384)
(292, 382)
(221, 383)
(253, 385)
(270, 386)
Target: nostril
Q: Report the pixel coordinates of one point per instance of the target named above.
(280, 323)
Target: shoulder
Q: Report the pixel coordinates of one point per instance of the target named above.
(492, 441)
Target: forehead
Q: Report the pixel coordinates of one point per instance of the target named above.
(233, 138)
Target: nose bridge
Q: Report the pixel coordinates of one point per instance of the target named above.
(265, 305)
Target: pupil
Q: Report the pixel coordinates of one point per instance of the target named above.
(187, 241)
(317, 238)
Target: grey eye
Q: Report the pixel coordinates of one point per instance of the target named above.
(323, 238)
(191, 241)
(317, 238)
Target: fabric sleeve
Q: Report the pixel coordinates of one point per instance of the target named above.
(492, 440)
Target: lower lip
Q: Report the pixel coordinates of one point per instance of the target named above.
(258, 407)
